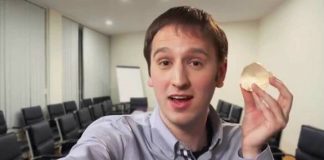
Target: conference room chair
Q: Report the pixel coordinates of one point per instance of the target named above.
(32, 115)
(96, 111)
(9, 147)
(69, 106)
(86, 103)
(68, 128)
(138, 103)
(109, 108)
(42, 143)
(97, 100)
(4, 129)
(223, 109)
(84, 118)
(310, 144)
(3, 124)
(235, 114)
(54, 111)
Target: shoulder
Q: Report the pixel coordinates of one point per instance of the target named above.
(116, 125)
(107, 137)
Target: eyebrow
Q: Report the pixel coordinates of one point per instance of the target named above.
(191, 50)
(162, 49)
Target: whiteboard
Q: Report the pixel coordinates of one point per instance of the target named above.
(129, 81)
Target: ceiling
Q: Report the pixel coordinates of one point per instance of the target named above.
(136, 15)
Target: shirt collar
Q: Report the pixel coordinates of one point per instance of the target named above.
(163, 132)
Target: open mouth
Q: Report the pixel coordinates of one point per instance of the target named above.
(180, 98)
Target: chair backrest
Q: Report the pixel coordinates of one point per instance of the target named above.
(84, 117)
(235, 114)
(86, 103)
(68, 127)
(9, 147)
(96, 111)
(223, 108)
(310, 144)
(70, 106)
(55, 110)
(3, 124)
(97, 100)
(32, 115)
(139, 103)
(41, 139)
(107, 107)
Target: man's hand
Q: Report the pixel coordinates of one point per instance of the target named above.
(264, 116)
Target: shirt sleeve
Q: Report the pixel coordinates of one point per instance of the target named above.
(89, 149)
(266, 154)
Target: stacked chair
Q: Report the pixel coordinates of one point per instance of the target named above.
(229, 112)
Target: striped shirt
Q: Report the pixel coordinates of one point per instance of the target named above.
(145, 137)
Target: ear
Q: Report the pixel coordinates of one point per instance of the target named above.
(221, 73)
(149, 82)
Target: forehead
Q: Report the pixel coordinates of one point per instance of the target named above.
(180, 31)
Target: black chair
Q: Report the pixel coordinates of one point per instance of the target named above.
(274, 143)
(235, 114)
(139, 103)
(97, 100)
(84, 118)
(55, 110)
(9, 147)
(3, 130)
(223, 109)
(70, 106)
(107, 107)
(32, 115)
(68, 127)
(310, 143)
(3, 124)
(42, 144)
(86, 103)
(96, 111)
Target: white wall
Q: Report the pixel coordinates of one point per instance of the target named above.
(291, 44)
(243, 46)
(127, 49)
(95, 64)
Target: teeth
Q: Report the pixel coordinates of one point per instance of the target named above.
(179, 97)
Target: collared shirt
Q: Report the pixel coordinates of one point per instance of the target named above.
(145, 137)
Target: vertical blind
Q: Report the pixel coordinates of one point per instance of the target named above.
(22, 53)
(70, 41)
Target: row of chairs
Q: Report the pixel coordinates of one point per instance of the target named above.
(60, 120)
(40, 142)
(229, 112)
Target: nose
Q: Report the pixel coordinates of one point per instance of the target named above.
(180, 77)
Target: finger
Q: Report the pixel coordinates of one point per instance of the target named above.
(271, 103)
(285, 97)
(258, 102)
(248, 100)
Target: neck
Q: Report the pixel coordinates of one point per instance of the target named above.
(193, 135)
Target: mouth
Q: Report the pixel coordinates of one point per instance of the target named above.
(180, 101)
(180, 97)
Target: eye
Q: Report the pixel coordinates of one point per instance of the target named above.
(196, 64)
(164, 63)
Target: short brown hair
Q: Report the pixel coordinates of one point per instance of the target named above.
(188, 16)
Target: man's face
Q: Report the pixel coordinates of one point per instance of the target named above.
(183, 74)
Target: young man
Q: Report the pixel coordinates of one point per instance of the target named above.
(186, 55)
